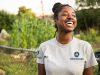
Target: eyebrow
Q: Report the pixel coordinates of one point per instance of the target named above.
(67, 11)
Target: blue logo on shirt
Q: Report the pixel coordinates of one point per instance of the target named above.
(76, 54)
(37, 52)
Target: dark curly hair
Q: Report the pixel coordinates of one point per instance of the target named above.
(56, 9)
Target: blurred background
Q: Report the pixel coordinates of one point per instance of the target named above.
(27, 23)
(28, 20)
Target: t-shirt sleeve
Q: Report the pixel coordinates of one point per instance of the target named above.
(40, 56)
(90, 57)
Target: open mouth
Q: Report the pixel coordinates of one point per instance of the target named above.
(69, 23)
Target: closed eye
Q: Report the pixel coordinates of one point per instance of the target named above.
(74, 15)
(64, 15)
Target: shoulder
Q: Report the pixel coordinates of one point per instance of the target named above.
(84, 46)
(48, 43)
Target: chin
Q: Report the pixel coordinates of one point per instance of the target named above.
(68, 31)
(65, 30)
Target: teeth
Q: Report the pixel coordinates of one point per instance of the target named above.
(69, 23)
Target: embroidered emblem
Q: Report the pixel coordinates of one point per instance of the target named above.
(76, 54)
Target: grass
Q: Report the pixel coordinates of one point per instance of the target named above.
(96, 67)
(96, 50)
(96, 70)
(4, 42)
(17, 68)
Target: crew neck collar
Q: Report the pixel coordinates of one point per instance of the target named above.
(64, 45)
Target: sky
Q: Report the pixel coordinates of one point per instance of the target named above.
(12, 6)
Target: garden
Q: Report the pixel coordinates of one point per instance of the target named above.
(28, 31)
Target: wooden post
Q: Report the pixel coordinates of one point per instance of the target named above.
(42, 9)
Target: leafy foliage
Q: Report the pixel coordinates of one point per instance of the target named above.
(90, 37)
(88, 18)
(25, 12)
(88, 3)
(30, 32)
(6, 20)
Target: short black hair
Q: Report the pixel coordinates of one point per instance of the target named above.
(56, 9)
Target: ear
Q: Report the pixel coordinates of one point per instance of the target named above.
(55, 21)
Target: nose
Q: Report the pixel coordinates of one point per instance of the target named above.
(69, 16)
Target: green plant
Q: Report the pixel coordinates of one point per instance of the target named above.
(82, 36)
(6, 20)
(92, 36)
(96, 50)
(30, 32)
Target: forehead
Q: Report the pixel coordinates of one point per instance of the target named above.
(68, 9)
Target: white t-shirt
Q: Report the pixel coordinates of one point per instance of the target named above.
(66, 59)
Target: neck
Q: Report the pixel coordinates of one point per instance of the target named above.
(64, 38)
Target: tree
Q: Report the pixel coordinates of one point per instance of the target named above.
(6, 20)
(88, 18)
(88, 14)
(88, 3)
(26, 12)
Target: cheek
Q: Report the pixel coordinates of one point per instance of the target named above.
(61, 20)
(75, 23)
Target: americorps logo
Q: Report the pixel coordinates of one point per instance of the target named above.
(76, 54)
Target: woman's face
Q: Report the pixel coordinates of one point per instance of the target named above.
(66, 21)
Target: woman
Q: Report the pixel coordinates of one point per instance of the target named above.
(65, 55)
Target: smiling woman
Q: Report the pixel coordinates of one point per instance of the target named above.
(64, 54)
(66, 21)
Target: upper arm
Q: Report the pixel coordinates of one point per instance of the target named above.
(40, 61)
(41, 69)
(88, 71)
